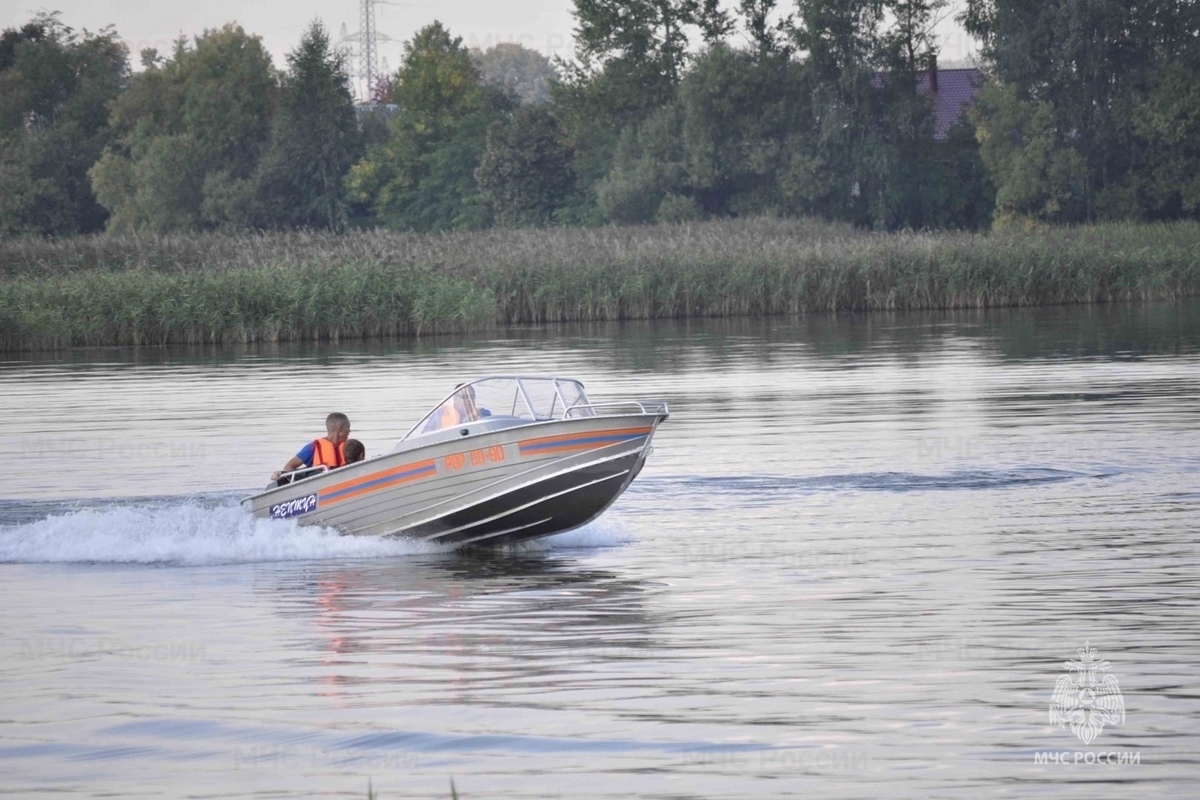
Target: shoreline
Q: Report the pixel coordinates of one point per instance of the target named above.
(223, 289)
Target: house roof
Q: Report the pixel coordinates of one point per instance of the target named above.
(956, 90)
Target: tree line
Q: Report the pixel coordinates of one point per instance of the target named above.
(672, 110)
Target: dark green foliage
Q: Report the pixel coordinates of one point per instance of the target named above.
(645, 126)
(649, 163)
(1092, 113)
(631, 58)
(841, 132)
(867, 140)
(525, 173)
(1097, 108)
(54, 86)
(1038, 175)
(769, 38)
(716, 149)
(374, 123)
(423, 177)
(189, 134)
(1166, 118)
(592, 108)
(959, 193)
(314, 141)
(647, 39)
(738, 110)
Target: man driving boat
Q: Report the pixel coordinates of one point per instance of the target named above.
(328, 451)
(459, 408)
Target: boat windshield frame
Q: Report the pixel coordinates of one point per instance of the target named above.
(560, 406)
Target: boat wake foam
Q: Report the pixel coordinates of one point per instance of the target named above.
(205, 531)
(196, 531)
(592, 535)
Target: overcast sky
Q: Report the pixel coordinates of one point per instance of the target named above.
(543, 25)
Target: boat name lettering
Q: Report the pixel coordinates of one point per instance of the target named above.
(294, 508)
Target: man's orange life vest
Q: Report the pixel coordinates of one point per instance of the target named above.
(326, 455)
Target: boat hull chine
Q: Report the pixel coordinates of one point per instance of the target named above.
(547, 506)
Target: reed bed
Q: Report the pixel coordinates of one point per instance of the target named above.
(219, 288)
(305, 302)
(454, 252)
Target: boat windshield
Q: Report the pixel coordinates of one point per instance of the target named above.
(528, 399)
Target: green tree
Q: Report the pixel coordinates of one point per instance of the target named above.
(641, 46)
(866, 152)
(525, 173)
(649, 166)
(1166, 120)
(1086, 85)
(715, 150)
(190, 133)
(1038, 176)
(423, 176)
(592, 107)
(837, 163)
(314, 140)
(911, 193)
(517, 70)
(843, 131)
(649, 35)
(54, 86)
(631, 57)
(739, 108)
(768, 38)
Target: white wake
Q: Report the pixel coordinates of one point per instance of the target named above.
(200, 532)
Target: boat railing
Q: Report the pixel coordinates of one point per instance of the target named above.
(302, 473)
(616, 407)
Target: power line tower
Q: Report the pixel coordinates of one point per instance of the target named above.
(368, 48)
(363, 45)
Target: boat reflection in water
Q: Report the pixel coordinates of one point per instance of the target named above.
(503, 459)
(462, 628)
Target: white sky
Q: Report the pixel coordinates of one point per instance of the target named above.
(543, 25)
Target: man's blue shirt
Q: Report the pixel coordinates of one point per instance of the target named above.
(306, 454)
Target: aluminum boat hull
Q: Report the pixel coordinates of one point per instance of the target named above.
(482, 483)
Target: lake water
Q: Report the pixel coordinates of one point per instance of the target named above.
(856, 565)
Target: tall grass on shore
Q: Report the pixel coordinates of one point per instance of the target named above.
(243, 305)
(221, 288)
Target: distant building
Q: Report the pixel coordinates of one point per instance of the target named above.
(952, 92)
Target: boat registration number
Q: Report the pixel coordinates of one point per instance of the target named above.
(456, 461)
(294, 508)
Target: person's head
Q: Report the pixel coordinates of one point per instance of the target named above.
(354, 451)
(337, 426)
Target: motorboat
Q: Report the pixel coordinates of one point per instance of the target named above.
(502, 459)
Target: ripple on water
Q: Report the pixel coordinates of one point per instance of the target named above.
(856, 565)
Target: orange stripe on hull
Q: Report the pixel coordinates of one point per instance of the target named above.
(378, 480)
(578, 441)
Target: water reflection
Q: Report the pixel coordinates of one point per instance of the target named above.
(514, 624)
(1116, 330)
(855, 564)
